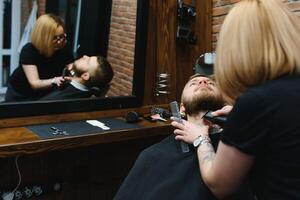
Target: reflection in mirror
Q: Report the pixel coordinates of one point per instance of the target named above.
(111, 24)
(114, 29)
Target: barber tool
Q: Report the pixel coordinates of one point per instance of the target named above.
(132, 117)
(157, 117)
(175, 112)
(162, 85)
(57, 131)
(186, 17)
(219, 120)
(162, 112)
(67, 72)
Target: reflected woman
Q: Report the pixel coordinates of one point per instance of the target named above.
(41, 61)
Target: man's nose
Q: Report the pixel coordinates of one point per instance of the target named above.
(202, 82)
(84, 56)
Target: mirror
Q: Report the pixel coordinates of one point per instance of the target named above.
(130, 92)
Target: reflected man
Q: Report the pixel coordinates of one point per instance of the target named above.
(89, 75)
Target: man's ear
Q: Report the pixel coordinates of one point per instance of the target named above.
(86, 76)
(182, 108)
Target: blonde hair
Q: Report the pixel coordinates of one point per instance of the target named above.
(43, 32)
(259, 41)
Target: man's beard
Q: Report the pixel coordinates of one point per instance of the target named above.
(202, 101)
(73, 72)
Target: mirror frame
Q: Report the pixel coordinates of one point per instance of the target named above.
(33, 108)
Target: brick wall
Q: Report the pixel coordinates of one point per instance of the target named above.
(221, 8)
(26, 9)
(25, 12)
(121, 46)
(41, 7)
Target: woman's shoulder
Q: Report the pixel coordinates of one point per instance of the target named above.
(29, 47)
(279, 84)
(29, 54)
(272, 89)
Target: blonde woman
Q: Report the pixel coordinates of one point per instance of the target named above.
(41, 61)
(257, 69)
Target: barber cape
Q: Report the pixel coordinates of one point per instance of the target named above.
(163, 172)
(70, 90)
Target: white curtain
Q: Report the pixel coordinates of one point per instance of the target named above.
(28, 28)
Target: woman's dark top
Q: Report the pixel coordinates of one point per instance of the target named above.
(265, 123)
(19, 88)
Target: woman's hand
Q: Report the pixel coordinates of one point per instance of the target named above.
(188, 131)
(58, 81)
(223, 111)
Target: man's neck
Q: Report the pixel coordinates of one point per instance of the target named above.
(197, 118)
(78, 80)
(79, 84)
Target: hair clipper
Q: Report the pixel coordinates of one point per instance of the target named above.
(219, 120)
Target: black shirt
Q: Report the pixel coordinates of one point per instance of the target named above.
(48, 67)
(265, 123)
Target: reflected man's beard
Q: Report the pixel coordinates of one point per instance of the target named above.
(72, 72)
(67, 72)
(202, 101)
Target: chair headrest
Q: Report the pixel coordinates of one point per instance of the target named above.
(100, 91)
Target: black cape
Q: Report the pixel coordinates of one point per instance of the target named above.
(67, 91)
(163, 172)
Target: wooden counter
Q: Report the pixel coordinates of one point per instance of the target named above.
(20, 140)
(90, 166)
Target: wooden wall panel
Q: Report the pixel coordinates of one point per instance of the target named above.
(187, 54)
(164, 55)
(93, 173)
(166, 47)
(151, 57)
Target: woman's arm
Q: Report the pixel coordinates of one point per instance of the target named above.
(223, 111)
(34, 80)
(223, 171)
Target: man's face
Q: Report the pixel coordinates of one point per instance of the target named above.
(84, 64)
(201, 94)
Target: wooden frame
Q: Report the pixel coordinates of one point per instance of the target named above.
(31, 108)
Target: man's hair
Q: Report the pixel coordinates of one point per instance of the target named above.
(103, 73)
(211, 77)
(259, 41)
(43, 32)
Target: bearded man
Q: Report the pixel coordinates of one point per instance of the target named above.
(163, 171)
